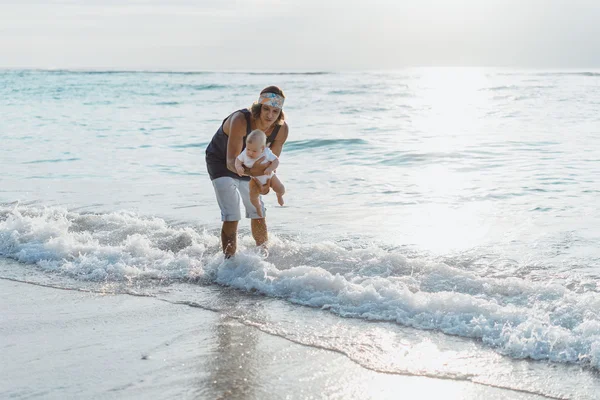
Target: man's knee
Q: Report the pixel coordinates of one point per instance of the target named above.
(230, 227)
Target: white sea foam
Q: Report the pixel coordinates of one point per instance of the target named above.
(112, 246)
(519, 318)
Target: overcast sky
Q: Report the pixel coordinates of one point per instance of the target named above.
(299, 34)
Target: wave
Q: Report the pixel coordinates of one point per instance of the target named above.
(56, 160)
(329, 143)
(582, 73)
(208, 86)
(406, 158)
(142, 71)
(555, 73)
(309, 73)
(517, 318)
(189, 145)
(517, 87)
(348, 92)
(106, 72)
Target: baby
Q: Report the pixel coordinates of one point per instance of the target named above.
(256, 147)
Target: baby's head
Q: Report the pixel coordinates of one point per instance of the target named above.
(256, 143)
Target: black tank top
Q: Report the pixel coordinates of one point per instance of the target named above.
(216, 152)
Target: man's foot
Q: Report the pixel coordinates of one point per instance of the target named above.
(280, 199)
(262, 251)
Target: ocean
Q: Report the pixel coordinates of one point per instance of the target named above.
(439, 222)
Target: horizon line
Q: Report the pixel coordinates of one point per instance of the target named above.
(289, 71)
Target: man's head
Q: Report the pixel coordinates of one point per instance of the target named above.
(269, 106)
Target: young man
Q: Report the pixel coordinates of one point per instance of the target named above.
(228, 142)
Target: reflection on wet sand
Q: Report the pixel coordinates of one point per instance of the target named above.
(232, 365)
(234, 372)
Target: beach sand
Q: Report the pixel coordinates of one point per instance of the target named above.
(66, 344)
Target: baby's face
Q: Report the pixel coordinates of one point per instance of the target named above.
(254, 150)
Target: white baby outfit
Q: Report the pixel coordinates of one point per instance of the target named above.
(249, 162)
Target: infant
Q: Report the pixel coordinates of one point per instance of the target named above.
(256, 147)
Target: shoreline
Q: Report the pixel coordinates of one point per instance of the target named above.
(60, 343)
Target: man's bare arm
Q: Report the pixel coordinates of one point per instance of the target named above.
(282, 136)
(272, 167)
(235, 128)
(239, 167)
(258, 168)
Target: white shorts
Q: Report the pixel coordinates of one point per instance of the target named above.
(229, 191)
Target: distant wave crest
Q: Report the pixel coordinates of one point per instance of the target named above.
(286, 73)
(554, 73)
(150, 71)
(329, 143)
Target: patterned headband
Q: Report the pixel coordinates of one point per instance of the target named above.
(271, 99)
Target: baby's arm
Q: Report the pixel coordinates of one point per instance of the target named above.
(239, 166)
(272, 167)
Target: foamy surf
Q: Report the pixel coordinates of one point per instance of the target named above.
(515, 317)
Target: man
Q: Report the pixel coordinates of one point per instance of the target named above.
(228, 142)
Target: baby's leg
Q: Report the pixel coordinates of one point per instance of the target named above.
(262, 188)
(278, 188)
(254, 197)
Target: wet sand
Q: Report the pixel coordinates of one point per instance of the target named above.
(59, 344)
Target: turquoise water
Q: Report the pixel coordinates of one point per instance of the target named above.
(456, 207)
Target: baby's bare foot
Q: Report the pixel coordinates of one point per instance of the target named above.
(280, 199)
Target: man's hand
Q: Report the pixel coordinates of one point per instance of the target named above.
(272, 167)
(258, 168)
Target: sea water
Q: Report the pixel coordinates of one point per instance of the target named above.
(438, 222)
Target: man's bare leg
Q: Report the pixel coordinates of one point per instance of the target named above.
(229, 238)
(278, 188)
(254, 197)
(259, 231)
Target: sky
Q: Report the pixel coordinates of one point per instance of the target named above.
(298, 34)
